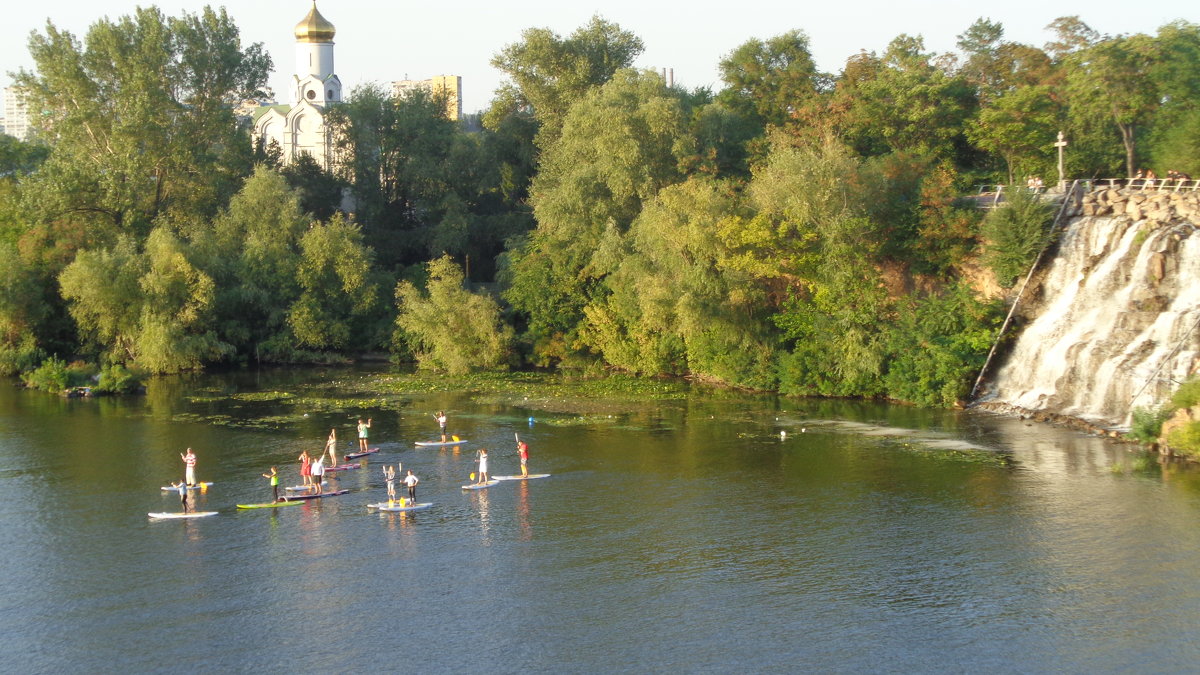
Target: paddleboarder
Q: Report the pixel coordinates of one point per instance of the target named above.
(318, 473)
(411, 481)
(305, 468)
(331, 447)
(183, 494)
(523, 453)
(189, 461)
(362, 434)
(482, 466)
(274, 476)
(389, 474)
(441, 420)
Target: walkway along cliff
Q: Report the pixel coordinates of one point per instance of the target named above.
(1112, 322)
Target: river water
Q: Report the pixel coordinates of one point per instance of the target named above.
(677, 536)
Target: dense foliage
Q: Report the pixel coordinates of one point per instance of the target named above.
(796, 230)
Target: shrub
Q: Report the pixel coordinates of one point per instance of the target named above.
(447, 327)
(1015, 234)
(21, 357)
(117, 379)
(1187, 395)
(1185, 440)
(1147, 422)
(52, 375)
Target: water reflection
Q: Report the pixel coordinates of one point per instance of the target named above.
(523, 524)
(890, 539)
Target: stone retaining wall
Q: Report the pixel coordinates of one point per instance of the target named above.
(1164, 208)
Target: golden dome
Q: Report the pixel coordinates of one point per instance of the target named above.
(314, 27)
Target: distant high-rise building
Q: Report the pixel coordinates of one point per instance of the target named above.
(449, 86)
(16, 117)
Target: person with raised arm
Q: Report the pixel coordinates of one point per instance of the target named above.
(363, 433)
(189, 462)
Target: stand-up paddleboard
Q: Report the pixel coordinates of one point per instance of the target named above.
(298, 488)
(356, 455)
(197, 486)
(190, 514)
(343, 467)
(268, 505)
(396, 506)
(480, 486)
(314, 495)
(529, 477)
(428, 444)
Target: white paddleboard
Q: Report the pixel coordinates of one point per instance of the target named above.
(480, 486)
(192, 514)
(529, 477)
(299, 488)
(426, 444)
(197, 486)
(397, 507)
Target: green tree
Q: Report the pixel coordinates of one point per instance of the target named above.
(319, 190)
(771, 80)
(447, 327)
(903, 101)
(140, 116)
(1015, 234)
(395, 152)
(252, 251)
(150, 308)
(338, 291)
(1019, 127)
(619, 146)
(1112, 81)
(675, 307)
(550, 73)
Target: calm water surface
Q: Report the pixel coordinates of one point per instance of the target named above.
(684, 536)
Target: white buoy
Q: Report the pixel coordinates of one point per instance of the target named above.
(802, 430)
(782, 435)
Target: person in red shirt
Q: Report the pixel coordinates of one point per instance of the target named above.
(523, 453)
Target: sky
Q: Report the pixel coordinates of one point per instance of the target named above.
(385, 41)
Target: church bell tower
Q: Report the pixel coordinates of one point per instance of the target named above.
(315, 81)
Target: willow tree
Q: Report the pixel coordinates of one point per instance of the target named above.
(140, 116)
(550, 73)
(619, 146)
(448, 328)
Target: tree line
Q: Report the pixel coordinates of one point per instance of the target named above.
(796, 230)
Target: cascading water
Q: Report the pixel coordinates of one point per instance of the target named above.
(1117, 324)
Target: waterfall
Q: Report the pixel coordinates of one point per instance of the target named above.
(1115, 322)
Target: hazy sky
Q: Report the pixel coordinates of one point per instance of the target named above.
(384, 41)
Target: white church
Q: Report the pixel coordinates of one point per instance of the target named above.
(299, 127)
